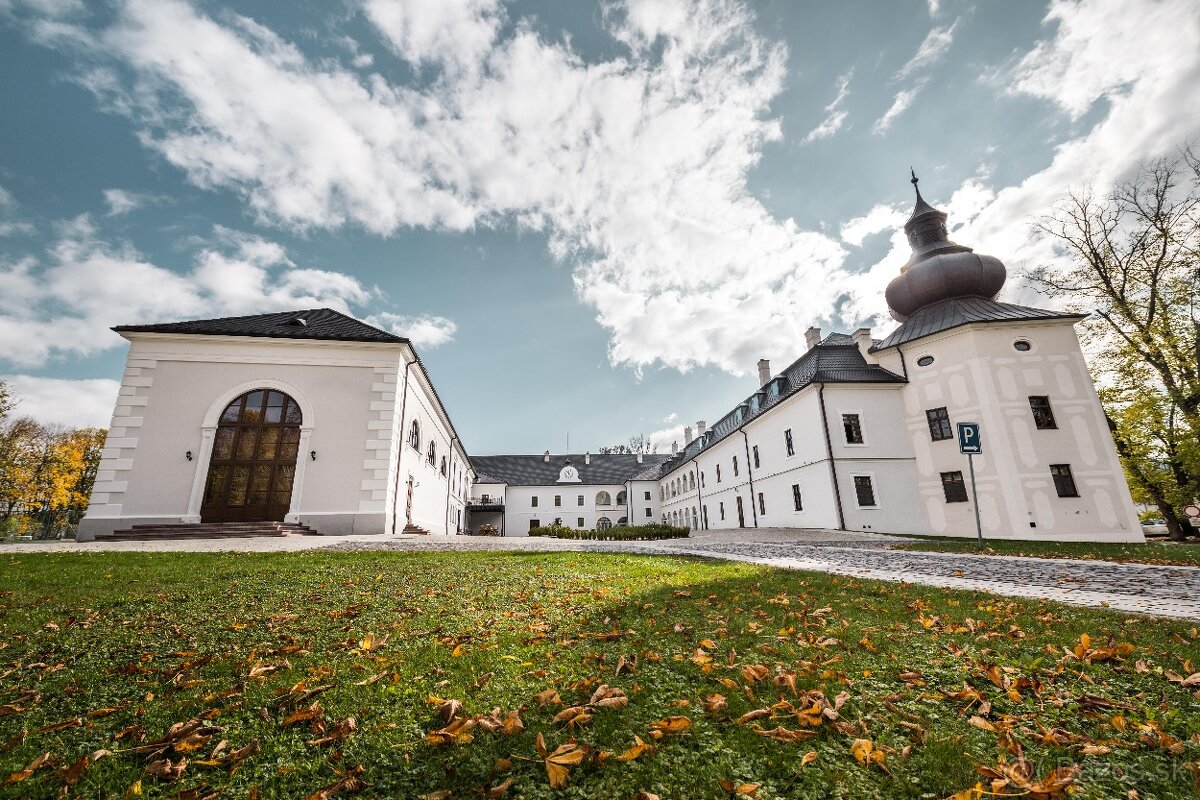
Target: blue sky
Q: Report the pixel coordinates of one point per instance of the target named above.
(592, 218)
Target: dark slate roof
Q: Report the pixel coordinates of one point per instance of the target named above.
(958, 311)
(536, 471)
(319, 323)
(835, 359)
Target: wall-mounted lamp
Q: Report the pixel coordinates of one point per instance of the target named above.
(188, 455)
(313, 455)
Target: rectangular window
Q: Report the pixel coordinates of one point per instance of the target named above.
(787, 440)
(797, 500)
(864, 491)
(1064, 481)
(579, 500)
(718, 473)
(756, 464)
(735, 469)
(953, 487)
(721, 509)
(647, 496)
(648, 513)
(701, 479)
(762, 505)
(533, 501)
(939, 424)
(557, 500)
(853, 428)
(580, 525)
(1043, 415)
(535, 523)
(704, 511)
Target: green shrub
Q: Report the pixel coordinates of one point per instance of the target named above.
(624, 533)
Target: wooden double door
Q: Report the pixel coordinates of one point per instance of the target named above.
(253, 463)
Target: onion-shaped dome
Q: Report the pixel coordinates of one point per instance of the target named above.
(939, 269)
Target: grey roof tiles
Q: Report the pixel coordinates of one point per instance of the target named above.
(318, 323)
(604, 470)
(958, 311)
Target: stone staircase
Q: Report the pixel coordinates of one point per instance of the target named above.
(207, 530)
(415, 530)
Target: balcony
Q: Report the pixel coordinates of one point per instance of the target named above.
(485, 503)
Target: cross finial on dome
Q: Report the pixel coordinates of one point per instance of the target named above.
(921, 206)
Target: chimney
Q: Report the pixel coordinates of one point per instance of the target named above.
(764, 372)
(862, 339)
(701, 427)
(639, 455)
(674, 447)
(587, 457)
(812, 336)
(687, 435)
(546, 457)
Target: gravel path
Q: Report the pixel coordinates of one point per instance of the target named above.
(1146, 589)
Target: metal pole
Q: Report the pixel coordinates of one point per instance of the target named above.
(975, 499)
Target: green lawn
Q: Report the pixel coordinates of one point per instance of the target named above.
(435, 675)
(1185, 554)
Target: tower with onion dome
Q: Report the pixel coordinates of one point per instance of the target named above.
(1049, 468)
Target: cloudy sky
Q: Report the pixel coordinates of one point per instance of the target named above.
(592, 218)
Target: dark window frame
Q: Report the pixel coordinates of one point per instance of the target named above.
(852, 429)
(762, 506)
(754, 450)
(1064, 480)
(797, 497)
(954, 488)
(938, 420)
(869, 487)
(735, 467)
(789, 443)
(1043, 412)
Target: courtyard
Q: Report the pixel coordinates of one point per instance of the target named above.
(396, 668)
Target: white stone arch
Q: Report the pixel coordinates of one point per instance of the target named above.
(208, 429)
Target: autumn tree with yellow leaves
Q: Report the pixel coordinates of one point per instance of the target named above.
(46, 471)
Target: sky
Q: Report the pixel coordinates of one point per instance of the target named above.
(592, 219)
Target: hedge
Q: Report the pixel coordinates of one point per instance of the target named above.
(623, 533)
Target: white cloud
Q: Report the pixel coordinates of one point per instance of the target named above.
(933, 47)
(122, 201)
(935, 7)
(423, 330)
(880, 218)
(9, 224)
(903, 100)
(1144, 61)
(669, 418)
(65, 304)
(634, 168)
(661, 439)
(73, 403)
(835, 115)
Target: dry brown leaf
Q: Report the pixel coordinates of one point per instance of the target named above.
(44, 760)
(750, 716)
(165, 770)
(302, 715)
(349, 783)
(500, 789)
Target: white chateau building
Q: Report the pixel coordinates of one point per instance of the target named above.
(313, 418)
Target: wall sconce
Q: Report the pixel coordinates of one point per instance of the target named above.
(313, 455)
(188, 455)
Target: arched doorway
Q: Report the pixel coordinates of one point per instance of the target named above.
(253, 462)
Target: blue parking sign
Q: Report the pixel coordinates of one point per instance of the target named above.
(969, 438)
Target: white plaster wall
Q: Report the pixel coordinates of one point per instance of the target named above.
(349, 395)
(979, 377)
(519, 510)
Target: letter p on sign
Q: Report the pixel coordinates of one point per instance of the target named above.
(969, 438)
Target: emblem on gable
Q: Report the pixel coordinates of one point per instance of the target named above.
(568, 475)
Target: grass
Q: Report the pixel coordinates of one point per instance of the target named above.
(107, 651)
(1165, 553)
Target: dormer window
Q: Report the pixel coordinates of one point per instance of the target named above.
(301, 321)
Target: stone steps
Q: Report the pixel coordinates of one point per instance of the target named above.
(416, 530)
(208, 530)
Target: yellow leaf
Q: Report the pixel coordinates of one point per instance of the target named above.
(458, 651)
(808, 758)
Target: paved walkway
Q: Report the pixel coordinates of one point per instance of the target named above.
(1146, 589)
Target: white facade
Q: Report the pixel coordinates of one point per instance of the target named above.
(353, 465)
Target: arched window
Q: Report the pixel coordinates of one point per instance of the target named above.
(603, 499)
(691, 480)
(695, 518)
(443, 466)
(432, 457)
(621, 498)
(603, 524)
(622, 521)
(414, 435)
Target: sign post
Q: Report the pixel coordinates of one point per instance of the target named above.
(970, 442)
